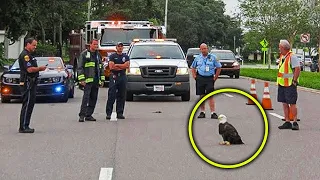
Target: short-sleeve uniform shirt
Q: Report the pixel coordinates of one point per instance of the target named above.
(26, 60)
(206, 65)
(119, 59)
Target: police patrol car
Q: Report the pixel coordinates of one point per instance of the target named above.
(56, 81)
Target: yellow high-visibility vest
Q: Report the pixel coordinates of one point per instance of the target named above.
(285, 73)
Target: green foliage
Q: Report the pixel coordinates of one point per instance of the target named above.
(191, 21)
(198, 21)
(45, 50)
(2, 60)
(14, 18)
(274, 20)
(306, 79)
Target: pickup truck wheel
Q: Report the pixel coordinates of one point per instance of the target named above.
(129, 96)
(237, 75)
(186, 96)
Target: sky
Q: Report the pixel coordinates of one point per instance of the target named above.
(231, 6)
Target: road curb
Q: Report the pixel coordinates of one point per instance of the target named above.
(274, 83)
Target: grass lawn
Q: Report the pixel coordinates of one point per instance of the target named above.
(306, 79)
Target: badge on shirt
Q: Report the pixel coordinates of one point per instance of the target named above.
(26, 58)
(123, 59)
(207, 68)
(28, 64)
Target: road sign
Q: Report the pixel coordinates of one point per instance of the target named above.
(264, 43)
(264, 49)
(305, 38)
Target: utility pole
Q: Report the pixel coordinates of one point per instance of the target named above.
(89, 10)
(166, 16)
(234, 44)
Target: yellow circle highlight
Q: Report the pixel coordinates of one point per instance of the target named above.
(255, 155)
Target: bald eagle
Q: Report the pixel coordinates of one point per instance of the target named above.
(228, 132)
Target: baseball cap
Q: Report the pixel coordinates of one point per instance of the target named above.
(119, 44)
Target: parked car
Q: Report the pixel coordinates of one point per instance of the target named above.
(191, 54)
(229, 62)
(56, 81)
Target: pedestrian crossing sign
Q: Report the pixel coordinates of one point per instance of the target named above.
(264, 43)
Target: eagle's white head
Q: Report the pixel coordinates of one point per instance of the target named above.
(222, 118)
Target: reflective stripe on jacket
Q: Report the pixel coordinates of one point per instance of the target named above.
(86, 67)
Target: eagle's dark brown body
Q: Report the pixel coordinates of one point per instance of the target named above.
(229, 133)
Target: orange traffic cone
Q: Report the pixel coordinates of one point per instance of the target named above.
(266, 101)
(253, 92)
(291, 117)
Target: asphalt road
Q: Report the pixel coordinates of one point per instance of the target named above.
(150, 145)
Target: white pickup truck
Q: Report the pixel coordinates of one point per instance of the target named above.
(157, 67)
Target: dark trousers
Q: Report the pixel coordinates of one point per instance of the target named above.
(117, 90)
(28, 91)
(89, 99)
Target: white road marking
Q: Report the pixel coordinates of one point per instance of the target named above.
(113, 116)
(277, 115)
(105, 174)
(228, 95)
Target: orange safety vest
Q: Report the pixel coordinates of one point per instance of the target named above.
(285, 73)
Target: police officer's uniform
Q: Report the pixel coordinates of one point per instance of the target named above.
(117, 86)
(90, 70)
(205, 67)
(28, 82)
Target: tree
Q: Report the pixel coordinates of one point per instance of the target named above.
(315, 23)
(14, 18)
(274, 20)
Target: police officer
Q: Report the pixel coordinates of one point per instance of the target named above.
(205, 70)
(118, 63)
(90, 76)
(29, 72)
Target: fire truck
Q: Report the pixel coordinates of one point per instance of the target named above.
(108, 34)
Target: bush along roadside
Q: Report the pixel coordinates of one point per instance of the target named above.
(306, 79)
(4, 62)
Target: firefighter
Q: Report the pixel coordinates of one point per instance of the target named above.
(29, 72)
(118, 63)
(90, 76)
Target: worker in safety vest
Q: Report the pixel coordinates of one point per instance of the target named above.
(287, 80)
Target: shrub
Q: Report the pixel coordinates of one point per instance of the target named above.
(45, 50)
(306, 79)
